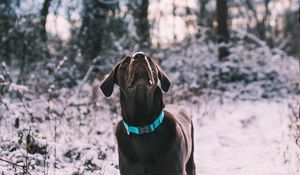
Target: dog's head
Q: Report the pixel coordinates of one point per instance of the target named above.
(134, 74)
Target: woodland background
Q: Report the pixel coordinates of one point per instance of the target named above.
(233, 64)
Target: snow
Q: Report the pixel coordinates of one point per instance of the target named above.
(19, 88)
(244, 138)
(242, 111)
(231, 137)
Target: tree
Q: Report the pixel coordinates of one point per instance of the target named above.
(202, 20)
(262, 26)
(44, 14)
(8, 18)
(290, 32)
(222, 17)
(139, 9)
(101, 27)
(222, 27)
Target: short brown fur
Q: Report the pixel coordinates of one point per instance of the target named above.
(169, 149)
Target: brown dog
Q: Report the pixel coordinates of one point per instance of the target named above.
(152, 140)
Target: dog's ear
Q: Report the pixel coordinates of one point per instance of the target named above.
(107, 85)
(164, 80)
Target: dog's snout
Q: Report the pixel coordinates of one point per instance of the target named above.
(138, 56)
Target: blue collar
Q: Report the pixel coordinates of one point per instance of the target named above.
(145, 129)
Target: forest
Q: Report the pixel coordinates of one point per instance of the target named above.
(233, 64)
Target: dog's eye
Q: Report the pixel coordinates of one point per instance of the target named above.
(126, 61)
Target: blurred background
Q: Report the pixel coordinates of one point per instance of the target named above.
(35, 30)
(234, 65)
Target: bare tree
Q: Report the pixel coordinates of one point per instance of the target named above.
(222, 16)
(44, 13)
(140, 14)
(101, 27)
(8, 19)
(222, 27)
(202, 20)
(261, 24)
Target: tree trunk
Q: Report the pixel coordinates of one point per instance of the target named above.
(202, 20)
(8, 18)
(44, 14)
(222, 27)
(222, 15)
(299, 15)
(140, 13)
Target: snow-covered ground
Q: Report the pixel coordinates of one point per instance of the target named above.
(243, 112)
(231, 137)
(245, 138)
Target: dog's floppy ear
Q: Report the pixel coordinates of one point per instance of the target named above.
(164, 80)
(107, 85)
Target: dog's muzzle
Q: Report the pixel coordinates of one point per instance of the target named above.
(140, 68)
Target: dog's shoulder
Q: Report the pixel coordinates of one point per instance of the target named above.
(181, 117)
(178, 112)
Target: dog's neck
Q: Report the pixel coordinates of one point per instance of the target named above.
(143, 108)
(142, 112)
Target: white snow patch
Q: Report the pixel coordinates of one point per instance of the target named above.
(244, 138)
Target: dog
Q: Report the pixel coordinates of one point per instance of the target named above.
(152, 139)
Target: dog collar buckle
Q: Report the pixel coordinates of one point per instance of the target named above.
(144, 129)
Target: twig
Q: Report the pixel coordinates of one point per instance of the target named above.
(55, 125)
(85, 78)
(12, 163)
(55, 141)
(61, 63)
(258, 41)
(45, 162)
(26, 109)
(80, 104)
(1, 101)
(25, 168)
(3, 64)
(251, 36)
(294, 113)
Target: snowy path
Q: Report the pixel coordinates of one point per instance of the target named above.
(244, 138)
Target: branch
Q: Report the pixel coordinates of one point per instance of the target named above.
(85, 78)
(12, 163)
(251, 37)
(3, 64)
(258, 41)
(1, 101)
